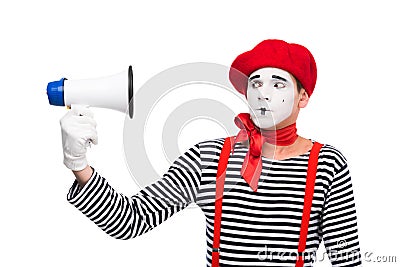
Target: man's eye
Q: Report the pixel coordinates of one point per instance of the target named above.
(256, 84)
(279, 85)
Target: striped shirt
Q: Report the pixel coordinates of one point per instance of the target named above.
(257, 228)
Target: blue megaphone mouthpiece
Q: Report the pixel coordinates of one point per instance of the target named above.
(55, 92)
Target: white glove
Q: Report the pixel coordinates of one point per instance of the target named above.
(78, 130)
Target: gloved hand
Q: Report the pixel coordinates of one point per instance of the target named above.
(78, 130)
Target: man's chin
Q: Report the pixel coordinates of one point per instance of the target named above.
(264, 122)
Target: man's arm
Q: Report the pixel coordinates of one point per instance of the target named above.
(83, 176)
(339, 222)
(125, 217)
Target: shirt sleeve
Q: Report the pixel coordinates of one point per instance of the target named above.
(339, 222)
(125, 217)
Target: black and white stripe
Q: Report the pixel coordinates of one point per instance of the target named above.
(258, 228)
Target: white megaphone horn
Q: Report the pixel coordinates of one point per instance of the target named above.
(112, 92)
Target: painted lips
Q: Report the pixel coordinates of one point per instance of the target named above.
(263, 110)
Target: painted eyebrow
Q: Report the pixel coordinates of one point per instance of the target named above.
(254, 77)
(279, 78)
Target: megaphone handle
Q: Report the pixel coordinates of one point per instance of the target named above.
(77, 109)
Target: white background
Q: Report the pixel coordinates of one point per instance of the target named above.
(354, 108)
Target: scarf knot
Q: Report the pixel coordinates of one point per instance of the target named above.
(248, 131)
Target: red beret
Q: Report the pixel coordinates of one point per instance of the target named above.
(293, 58)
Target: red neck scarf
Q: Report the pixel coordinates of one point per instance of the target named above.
(252, 165)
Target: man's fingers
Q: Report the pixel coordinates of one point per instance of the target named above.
(82, 110)
(85, 120)
(95, 139)
(91, 135)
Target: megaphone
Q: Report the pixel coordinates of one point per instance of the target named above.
(112, 92)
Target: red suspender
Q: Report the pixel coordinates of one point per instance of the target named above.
(219, 192)
(308, 197)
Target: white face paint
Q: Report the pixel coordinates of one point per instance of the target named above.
(270, 95)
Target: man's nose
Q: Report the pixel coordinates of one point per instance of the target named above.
(264, 97)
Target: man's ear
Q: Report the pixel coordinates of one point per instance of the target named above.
(303, 98)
